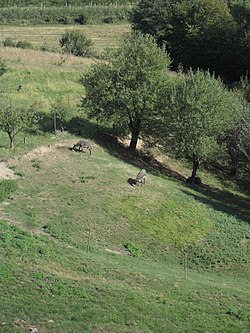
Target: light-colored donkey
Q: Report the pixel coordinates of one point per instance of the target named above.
(82, 144)
(141, 177)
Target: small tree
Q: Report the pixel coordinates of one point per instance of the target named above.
(61, 112)
(200, 108)
(76, 43)
(130, 87)
(14, 118)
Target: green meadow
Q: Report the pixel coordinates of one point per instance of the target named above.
(81, 250)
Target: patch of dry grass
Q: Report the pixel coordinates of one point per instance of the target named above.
(27, 59)
(102, 35)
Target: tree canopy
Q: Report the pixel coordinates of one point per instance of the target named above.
(200, 108)
(198, 34)
(129, 88)
(14, 118)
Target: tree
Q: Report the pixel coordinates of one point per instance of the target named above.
(236, 137)
(200, 108)
(14, 118)
(130, 87)
(237, 141)
(76, 43)
(62, 111)
(198, 34)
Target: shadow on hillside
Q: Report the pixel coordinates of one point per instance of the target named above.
(218, 199)
(77, 126)
(138, 159)
(223, 201)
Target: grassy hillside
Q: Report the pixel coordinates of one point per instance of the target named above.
(81, 250)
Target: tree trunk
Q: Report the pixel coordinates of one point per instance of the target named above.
(133, 141)
(233, 167)
(135, 131)
(12, 140)
(196, 163)
(54, 122)
(233, 170)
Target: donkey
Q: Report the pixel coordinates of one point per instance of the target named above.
(82, 144)
(141, 177)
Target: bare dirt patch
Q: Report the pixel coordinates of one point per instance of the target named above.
(6, 173)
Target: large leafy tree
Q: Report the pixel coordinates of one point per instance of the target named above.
(198, 34)
(200, 108)
(129, 89)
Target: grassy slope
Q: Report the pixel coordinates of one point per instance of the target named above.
(70, 210)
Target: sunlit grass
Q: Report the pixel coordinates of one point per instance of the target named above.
(102, 35)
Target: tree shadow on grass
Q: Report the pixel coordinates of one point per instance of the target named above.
(223, 201)
(139, 159)
(220, 200)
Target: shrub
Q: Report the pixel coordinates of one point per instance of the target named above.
(9, 42)
(81, 19)
(76, 43)
(3, 67)
(22, 44)
(133, 249)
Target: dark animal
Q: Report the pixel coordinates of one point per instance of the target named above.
(19, 87)
(81, 145)
(141, 177)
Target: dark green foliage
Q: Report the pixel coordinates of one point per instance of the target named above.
(198, 34)
(81, 18)
(76, 43)
(133, 249)
(6, 188)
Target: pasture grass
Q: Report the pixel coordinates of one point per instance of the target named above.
(103, 35)
(82, 250)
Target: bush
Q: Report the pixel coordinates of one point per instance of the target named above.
(76, 43)
(9, 42)
(3, 67)
(81, 19)
(133, 249)
(22, 44)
